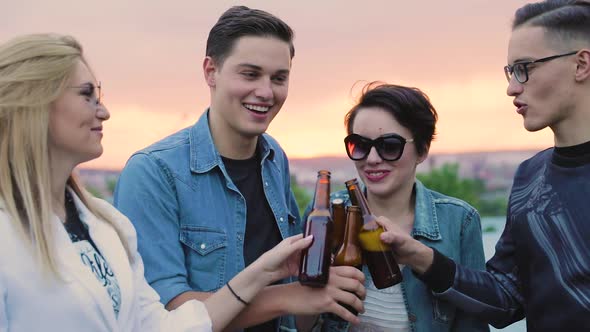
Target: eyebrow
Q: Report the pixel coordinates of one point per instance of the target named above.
(255, 67)
(85, 85)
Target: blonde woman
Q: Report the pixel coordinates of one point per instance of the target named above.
(68, 261)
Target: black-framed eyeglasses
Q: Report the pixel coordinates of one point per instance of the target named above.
(90, 91)
(520, 70)
(390, 147)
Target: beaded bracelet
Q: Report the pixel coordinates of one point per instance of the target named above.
(236, 295)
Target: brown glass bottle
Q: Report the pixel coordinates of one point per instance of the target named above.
(350, 252)
(314, 269)
(378, 256)
(339, 219)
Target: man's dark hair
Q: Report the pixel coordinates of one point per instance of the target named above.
(565, 19)
(241, 21)
(409, 106)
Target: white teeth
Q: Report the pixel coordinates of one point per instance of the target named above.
(257, 108)
(375, 173)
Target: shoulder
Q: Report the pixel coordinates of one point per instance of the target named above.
(162, 157)
(450, 202)
(7, 228)
(535, 163)
(173, 141)
(452, 210)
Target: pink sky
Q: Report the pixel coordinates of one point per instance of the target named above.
(148, 55)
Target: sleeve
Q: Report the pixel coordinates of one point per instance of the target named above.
(472, 256)
(145, 193)
(190, 316)
(493, 295)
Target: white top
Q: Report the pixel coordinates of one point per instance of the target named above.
(385, 309)
(31, 302)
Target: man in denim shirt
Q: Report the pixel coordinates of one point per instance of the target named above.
(210, 199)
(541, 267)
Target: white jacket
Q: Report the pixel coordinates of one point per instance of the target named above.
(30, 302)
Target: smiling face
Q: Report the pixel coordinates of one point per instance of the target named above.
(384, 179)
(75, 119)
(547, 98)
(249, 88)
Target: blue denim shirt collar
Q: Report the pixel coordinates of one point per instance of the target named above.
(425, 219)
(203, 153)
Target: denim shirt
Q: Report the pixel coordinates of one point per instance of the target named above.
(452, 227)
(189, 215)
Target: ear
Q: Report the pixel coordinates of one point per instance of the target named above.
(209, 69)
(583, 65)
(423, 156)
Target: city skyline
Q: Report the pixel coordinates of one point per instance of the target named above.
(148, 57)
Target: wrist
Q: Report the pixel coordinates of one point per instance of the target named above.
(440, 275)
(260, 276)
(288, 304)
(423, 259)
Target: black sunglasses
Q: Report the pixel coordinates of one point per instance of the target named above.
(390, 147)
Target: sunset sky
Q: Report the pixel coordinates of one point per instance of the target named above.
(148, 56)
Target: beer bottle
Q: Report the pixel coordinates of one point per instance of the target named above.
(350, 252)
(339, 218)
(314, 269)
(378, 256)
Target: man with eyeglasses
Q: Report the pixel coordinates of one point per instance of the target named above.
(541, 268)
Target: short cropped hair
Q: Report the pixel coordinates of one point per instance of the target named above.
(564, 19)
(241, 21)
(409, 106)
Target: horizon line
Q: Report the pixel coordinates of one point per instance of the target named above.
(343, 156)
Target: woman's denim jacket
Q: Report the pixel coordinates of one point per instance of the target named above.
(452, 227)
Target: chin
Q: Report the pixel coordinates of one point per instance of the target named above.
(533, 127)
(254, 131)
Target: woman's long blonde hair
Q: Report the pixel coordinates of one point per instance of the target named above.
(34, 71)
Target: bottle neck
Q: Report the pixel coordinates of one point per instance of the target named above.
(322, 193)
(353, 227)
(357, 198)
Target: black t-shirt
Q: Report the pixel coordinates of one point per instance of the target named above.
(262, 232)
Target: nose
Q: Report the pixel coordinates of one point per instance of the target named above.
(264, 90)
(514, 87)
(102, 112)
(373, 157)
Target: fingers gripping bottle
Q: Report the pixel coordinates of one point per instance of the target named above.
(314, 269)
(378, 255)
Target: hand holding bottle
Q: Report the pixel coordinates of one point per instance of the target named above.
(406, 249)
(282, 261)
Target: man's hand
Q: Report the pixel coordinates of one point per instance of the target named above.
(406, 249)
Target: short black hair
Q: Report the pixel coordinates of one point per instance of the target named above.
(565, 19)
(241, 21)
(409, 106)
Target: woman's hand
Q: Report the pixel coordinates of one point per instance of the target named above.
(345, 287)
(283, 260)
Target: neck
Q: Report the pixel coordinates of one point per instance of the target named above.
(398, 207)
(573, 129)
(228, 142)
(60, 171)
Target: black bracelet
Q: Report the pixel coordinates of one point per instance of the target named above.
(236, 295)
